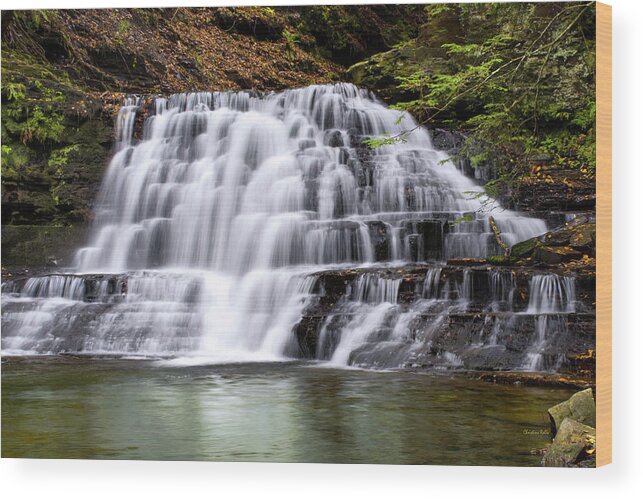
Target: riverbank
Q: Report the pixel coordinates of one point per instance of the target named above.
(551, 380)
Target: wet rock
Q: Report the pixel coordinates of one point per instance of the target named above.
(413, 241)
(574, 444)
(426, 238)
(584, 237)
(583, 363)
(333, 138)
(379, 234)
(306, 332)
(554, 189)
(580, 407)
(550, 380)
(466, 262)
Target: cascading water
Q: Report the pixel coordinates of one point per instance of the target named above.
(551, 297)
(211, 229)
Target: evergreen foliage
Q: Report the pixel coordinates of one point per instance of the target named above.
(518, 78)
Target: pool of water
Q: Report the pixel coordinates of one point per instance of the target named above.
(96, 408)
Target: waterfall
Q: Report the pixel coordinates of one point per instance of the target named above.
(374, 289)
(431, 285)
(212, 221)
(551, 298)
(551, 293)
(502, 284)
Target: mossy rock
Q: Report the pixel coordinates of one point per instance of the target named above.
(357, 72)
(524, 249)
(574, 443)
(580, 407)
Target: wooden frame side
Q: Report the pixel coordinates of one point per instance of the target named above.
(603, 234)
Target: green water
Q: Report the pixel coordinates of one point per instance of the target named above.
(61, 407)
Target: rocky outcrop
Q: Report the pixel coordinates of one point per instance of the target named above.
(484, 335)
(573, 425)
(378, 72)
(573, 242)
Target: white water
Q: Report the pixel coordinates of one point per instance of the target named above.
(229, 203)
(551, 297)
(551, 293)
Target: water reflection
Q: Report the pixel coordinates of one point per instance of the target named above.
(125, 409)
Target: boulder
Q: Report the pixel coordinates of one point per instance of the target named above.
(580, 407)
(557, 237)
(553, 255)
(574, 444)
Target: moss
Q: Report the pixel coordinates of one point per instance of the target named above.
(524, 249)
(55, 144)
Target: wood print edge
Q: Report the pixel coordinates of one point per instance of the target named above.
(604, 234)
